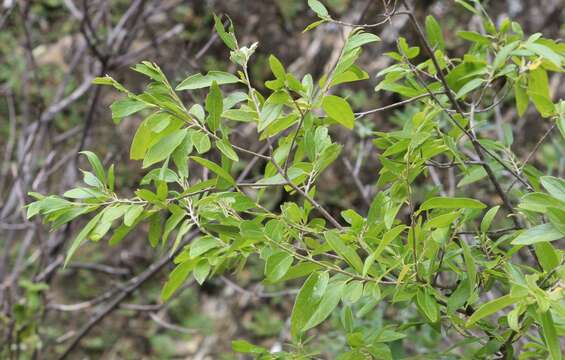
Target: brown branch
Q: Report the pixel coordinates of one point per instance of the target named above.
(132, 285)
(314, 203)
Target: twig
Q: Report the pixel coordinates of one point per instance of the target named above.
(314, 203)
(105, 269)
(395, 105)
(531, 154)
(169, 326)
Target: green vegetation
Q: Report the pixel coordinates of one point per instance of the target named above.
(421, 266)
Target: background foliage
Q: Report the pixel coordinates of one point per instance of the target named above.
(361, 210)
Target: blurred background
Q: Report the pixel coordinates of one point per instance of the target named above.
(50, 50)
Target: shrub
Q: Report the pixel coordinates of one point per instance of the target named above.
(438, 257)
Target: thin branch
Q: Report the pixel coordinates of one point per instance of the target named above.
(314, 203)
(395, 105)
(167, 325)
(531, 154)
(105, 269)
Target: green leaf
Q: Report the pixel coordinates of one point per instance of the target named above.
(83, 193)
(279, 125)
(490, 308)
(243, 346)
(329, 301)
(556, 217)
(354, 73)
(339, 110)
(114, 212)
(177, 214)
(544, 52)
(202, 245)
(359, 39)
(225, 147)
(539, 202)
(467, 6)
(435, 36)
(300, 270)
(344, 63)
(240, 115)
(305, 304)
(548, 257)
(164, 147)
(201, 141)
(522, 98)
(180, 155)
(269, 113)
(160, 174)
(459, 75)
(227, 37)
(353, 291)
(111, 214)
(313, 25)
(277, 68)
(388, 237)
(442, 221)
(82, 235)
(197, 111)
(451, 203)
(346, 252)
(214, 106)
(503, 55)
(536, 234)
(459, 297)
(427, 305)
(474, 37)
(199, 81)
(277, 265)
(92, 180)
(389, 336)
(158, 121)
(215, 168)
(126, 107)
(150, 70)
(132, 214)
(96, 165)
(119, 234)
(155, 228)
(550, 336)
(111, 178)
(318, 8)
(104, 80)
(147, 195)
(176, 278)
(554, 186)
(141, 141)
(560, 121)
(201, 271)
(468, 87)
(488, 218)
(272, 109)
(183, 229)
(538, 91)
